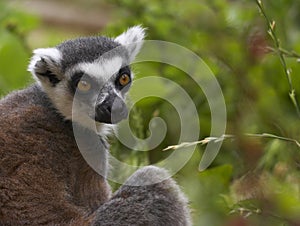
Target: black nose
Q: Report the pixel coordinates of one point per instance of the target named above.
(112, 110)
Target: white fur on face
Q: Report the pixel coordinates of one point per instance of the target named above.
(75, 111)
(101, 69)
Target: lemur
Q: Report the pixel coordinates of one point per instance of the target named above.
(44, 180)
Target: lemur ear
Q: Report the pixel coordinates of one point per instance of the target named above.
(132, 39)
(45, 66)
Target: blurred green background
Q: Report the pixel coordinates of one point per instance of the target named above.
(255, 179)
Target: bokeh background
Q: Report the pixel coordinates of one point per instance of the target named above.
(255, 178)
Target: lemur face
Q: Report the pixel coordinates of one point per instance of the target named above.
(87, 78)
(103, 95)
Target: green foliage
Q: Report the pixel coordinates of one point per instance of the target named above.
(232, 38)
(213, 183)
(14, 52)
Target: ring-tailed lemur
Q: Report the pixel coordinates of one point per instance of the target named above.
(44, 180)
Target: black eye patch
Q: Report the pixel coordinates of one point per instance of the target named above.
(122, 71)
(125, 70)
(76, 78)
(74, 81)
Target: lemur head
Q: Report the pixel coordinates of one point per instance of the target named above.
(87, 78)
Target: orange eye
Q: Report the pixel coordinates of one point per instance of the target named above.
(84, 86)
(124, 79)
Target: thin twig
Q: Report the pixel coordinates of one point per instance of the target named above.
(280, 52)
(284, 52)
(272, 136)
(202, 142)
(230, 136)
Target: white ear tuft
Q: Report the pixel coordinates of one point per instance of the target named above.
(132, 39)
(52, 54)
(45, 66)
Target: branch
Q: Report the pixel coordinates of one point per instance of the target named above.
(280, 52)
(229, 136)
(286, 53)
(202, 142)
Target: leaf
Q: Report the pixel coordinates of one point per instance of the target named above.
(13, 63)
(217, 177)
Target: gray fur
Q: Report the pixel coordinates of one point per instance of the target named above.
(158, 204)
(44, 180)
(86, 50)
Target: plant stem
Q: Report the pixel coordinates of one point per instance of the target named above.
(285, 52)
(230, 136)
(280, 52)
